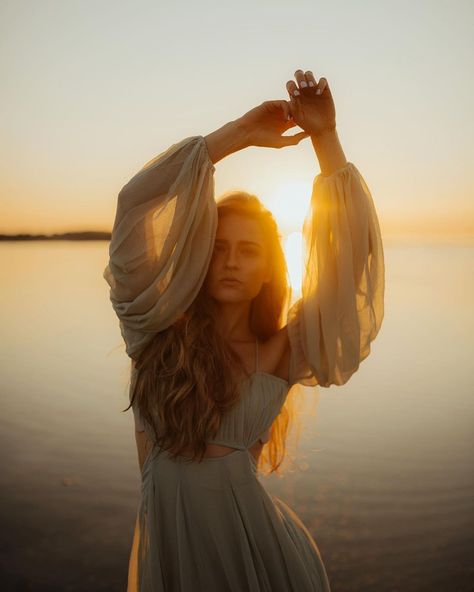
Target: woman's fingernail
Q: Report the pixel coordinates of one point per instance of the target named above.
(296, 92)
(303, 84)
(311, 83)
(319, 91)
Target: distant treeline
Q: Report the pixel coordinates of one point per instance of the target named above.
(63, 236)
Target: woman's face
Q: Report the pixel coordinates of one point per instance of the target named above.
(240, 253)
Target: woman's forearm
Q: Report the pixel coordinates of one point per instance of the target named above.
(225, 140)
(233, 136)
(329, 152)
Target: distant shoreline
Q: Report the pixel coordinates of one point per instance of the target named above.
(388, 238)
(88, 235)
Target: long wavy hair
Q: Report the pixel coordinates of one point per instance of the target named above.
(181, 390)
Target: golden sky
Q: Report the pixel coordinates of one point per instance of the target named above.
(92, 91)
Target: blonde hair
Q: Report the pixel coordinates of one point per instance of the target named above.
(182, 391)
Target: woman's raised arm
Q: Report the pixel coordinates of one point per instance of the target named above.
(225, 140)
(162, 240)
(340, 312)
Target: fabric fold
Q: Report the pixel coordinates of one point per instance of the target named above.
(162, 241)
(332, 325)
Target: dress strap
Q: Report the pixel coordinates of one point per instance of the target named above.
(256, 354)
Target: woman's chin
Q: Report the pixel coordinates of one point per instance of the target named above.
(228, 296)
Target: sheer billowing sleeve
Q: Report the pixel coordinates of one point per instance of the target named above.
(162, 241)
(341, 308)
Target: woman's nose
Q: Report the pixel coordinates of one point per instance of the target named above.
(231, 260)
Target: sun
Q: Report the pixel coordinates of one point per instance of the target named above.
(289, 203)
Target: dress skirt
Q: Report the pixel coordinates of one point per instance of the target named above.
(213, 527)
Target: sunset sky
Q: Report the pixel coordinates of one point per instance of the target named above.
(91, 91)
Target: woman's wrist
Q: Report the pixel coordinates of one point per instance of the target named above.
(229, 138)
(329, 152)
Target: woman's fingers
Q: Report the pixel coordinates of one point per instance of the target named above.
(310, 79)
(322, 85)
(301, 80)
(279, 105)
(305, 83)
(286, 109)
(311, 103)
(292, 88)
(293, 140)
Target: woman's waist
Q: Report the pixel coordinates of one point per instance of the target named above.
(237, 466)
(214, 450)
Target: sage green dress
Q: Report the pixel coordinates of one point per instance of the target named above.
(212, 526)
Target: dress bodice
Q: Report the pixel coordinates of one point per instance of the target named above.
(262, 397)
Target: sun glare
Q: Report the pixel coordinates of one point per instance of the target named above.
(289, 204)
(293, 248)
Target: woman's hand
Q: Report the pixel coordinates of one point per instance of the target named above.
(265, 124)
(315, 113)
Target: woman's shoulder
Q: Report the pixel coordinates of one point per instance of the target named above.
(274, 355)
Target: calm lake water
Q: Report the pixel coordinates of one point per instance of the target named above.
(384, 473)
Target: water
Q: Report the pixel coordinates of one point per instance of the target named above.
(384, 477)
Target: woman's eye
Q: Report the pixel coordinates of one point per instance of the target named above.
(246, 251)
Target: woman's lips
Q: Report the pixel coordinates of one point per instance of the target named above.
(231, 282)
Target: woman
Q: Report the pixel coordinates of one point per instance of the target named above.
(200, 290)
